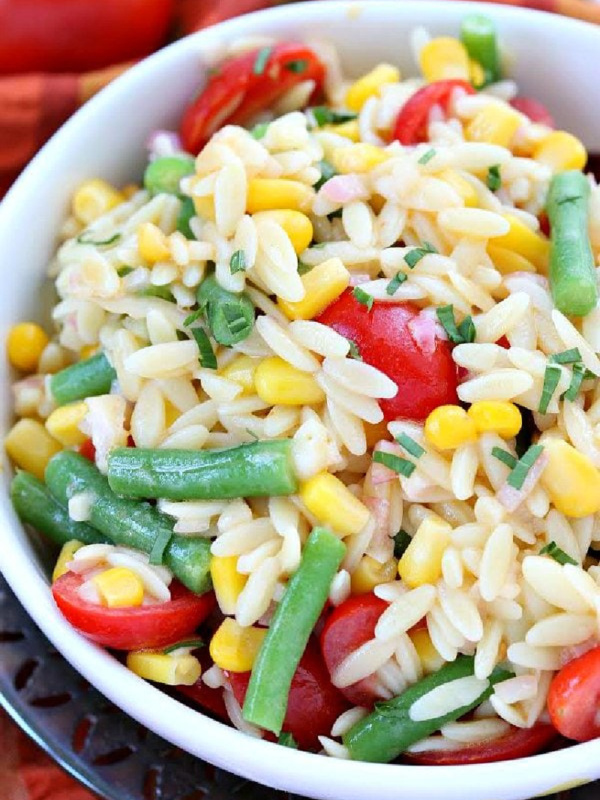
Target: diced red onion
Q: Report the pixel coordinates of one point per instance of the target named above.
(163, 143)
(344, 189)
(512, 498)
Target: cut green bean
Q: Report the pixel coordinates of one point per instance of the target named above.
(129, 522)
(296, 615)
(163, 175)
(230, 316)
(186, 212)
(38, 507)
(389, 730)
(572, 272)
(87, 378)
(258, 469)
(478, 34)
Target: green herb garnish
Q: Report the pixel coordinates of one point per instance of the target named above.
(504, 456)
(208, 358)
(566, 356)
(303, 268)
(551, 379)
(409, 444)
(98, 242)
(195, 315)
(555, 552)
(123, 271)
(354, 351)
(519, 473)
(327, 116)
(287, 740)
(413, 257)
(327, 172)
(259, 130)
(237, 262)
(580, 373)
(400, 465)
(458, 334)
(426, 157)
(298, 66)
(395, 283)
(260, 62)
(401, 541)
(193, 644)
(494, 180)
(364, 298)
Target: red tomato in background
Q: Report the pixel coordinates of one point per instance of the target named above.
(133, 628)
(412, 119)
(517, 743)
(574, 698)
(313, 703)
(403, 343)
(536, 111)
(208, 699)
(348, 627)
(88, 450)
(239, 89)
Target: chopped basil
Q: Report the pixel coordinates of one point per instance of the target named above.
(354, 351)
(395, 283)
(259, 130)
(494, 180)
(364, 298)
(578, 377)
(409, 444)
(551, 379)
(123, 271)
(237, 262)
(401, 541)
(516, 479)
(193, 317)
(303, 268)
(298, 66)
(327, 172)
(555, 552)
(566, 356)
(426, 157)
(260, 62)
(458, 334)
(287, 740)
(192, 644)
(400, 465)
(335, 214)
(327, 116)
(98, 242)
(504, 456)
(413, 257)
(157, 291)
(208, 358)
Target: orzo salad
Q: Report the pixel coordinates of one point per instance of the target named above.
(317, 430)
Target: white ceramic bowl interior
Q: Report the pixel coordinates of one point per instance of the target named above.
(554, 59)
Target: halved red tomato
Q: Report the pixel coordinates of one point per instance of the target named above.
(574, 698)
(411, 122)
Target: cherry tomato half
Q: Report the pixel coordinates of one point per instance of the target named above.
(574, 698)
(517, 743)
(402, 342)
(313, 703)
(243, 86)
(134, 628)
(536, 111)
(412, 119)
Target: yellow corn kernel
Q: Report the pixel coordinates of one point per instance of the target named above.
(476, 73)
(370, 84)
(241, 370)
(172, 670)
(93, 199)
(370, 573)
(349, 130)
(88, 350)
(322, 285)
(527, 243)
(332, 503)
(227, 582)
(30, 446)
(422, 559)
(495, 124)
(444, 58)
(357, 158)
(66, 554)
(235, 648)
(447, 427)
(507, 261)
(571, 480)
(296, 224)
(25, 344)
(119, 587)
(267, 194)
(63, 424)
(152, 243)
(280, 384)
(461, 186)
(496, 416)
(561, 151)
(205, 207)
(430, 659)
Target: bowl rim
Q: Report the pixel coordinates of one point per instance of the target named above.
(290, 769)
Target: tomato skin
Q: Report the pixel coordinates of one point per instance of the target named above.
(411, 122)
(87, 450)
(78, 35)
(517, 743)
(348, 627)
(427, 376)
(135, 628)
(235, 93)
(313, 703)
(536, 111)
(202, 695)
(574, 698)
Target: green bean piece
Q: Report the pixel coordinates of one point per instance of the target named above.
(87, 378)
(163, 175)
(389, 730)
(186, 212)
(478, 34)
(129, 522)
(296, 616)
(572, 273)
(36, 506)
(258, 469)
(230, 315)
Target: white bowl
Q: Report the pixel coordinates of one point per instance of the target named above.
(106, 138)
